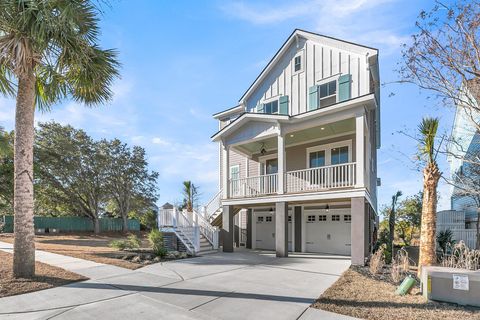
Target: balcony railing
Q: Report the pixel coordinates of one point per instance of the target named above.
(305, 180)
(321, 178)
(254, 186)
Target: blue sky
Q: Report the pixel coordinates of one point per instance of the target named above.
(185, 60)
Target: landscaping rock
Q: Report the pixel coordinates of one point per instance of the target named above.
(137, 259)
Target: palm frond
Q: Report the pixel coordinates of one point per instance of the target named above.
(428, 131)
(58, 40)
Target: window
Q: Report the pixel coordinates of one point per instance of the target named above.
(271, 107)
(328, 93)
(336, 217)
(347, 217)
(322, 217)
(289, 218)
(317, 159)
(297, 63)
(311, 218)
(268, 219)
(235, 172)
(271, 166)
(339, 155)
(259, 219)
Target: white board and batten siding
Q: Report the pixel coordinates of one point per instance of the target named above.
(320, 63)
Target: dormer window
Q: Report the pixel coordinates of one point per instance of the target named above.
(328, 93)
(271, 107)
(297, 63)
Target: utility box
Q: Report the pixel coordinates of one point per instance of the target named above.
(458, 286)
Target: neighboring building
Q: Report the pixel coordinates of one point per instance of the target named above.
(455, 221)
(463, 148)
(298, 154)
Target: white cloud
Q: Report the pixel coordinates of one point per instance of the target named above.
(366, 22)
(160, 141)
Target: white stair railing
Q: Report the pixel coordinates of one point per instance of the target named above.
(213, 206)
(188, 225)
(209, 232)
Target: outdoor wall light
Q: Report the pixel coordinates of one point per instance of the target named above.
(327, 208)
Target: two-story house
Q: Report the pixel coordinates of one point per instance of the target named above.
(298, 154)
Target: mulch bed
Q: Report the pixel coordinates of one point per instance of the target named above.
(86, 246)
(359, 294)
(94, 247)
(46, 276)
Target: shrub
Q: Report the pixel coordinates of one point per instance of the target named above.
(132, 242)
(377, 260)
(444, 238)
(155, 237)
(149, 220)
(400, 266)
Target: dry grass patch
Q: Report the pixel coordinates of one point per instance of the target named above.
(85, 246)
(47, 276)
(359, 294)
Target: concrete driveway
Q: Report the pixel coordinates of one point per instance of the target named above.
(240, 285)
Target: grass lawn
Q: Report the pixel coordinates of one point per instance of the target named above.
(358, 294)
(85, 246)
(46, 277)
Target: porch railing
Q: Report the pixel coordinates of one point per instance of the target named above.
(254, 186)
(320, 178)
(305, 180)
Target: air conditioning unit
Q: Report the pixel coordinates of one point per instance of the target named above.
(458, 286)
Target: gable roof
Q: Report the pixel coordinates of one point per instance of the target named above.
(307, 35)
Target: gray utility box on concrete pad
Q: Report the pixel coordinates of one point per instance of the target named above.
(458, 286)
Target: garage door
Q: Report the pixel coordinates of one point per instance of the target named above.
(328, 232)
(265, 231)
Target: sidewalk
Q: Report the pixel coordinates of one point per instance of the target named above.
(86, 268)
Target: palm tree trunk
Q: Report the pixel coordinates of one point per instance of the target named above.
(427, 257)
(24, 232)
(478, 231)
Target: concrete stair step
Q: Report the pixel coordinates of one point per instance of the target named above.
(202, 253)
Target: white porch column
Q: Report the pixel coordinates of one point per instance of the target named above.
(360, 149)
(281, 163)
(225, 170)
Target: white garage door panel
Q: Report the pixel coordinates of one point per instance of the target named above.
(328, 236)
(265, 231)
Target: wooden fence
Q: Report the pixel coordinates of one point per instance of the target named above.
(73, 224)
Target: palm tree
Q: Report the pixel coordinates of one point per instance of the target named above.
(391, 220)
(50, 48)
(190, 195)
(431, 174)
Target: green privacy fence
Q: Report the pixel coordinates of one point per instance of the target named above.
(74, 224)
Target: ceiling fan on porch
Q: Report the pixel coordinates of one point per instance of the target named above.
(262, 149)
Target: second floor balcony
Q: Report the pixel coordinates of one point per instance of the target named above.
(297, 181)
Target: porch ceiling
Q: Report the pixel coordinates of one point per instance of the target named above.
(336, 128)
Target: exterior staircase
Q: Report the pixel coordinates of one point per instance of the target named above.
(192, 229)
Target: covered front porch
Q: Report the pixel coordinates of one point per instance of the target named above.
(295, 158)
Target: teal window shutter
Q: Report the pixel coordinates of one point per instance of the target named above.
(260, 108)
(313, 101)
(344, 87)
(283, 102)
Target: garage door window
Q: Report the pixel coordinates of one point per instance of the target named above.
(322, 217)
(347, 217)
(336, 217)
(268, 219)
(259, 219)
(311, 218)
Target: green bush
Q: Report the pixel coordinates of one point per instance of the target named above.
(155, 237)
(132, 242)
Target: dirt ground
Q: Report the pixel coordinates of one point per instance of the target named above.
(46, 277)
(356, 293)
(86, 246)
